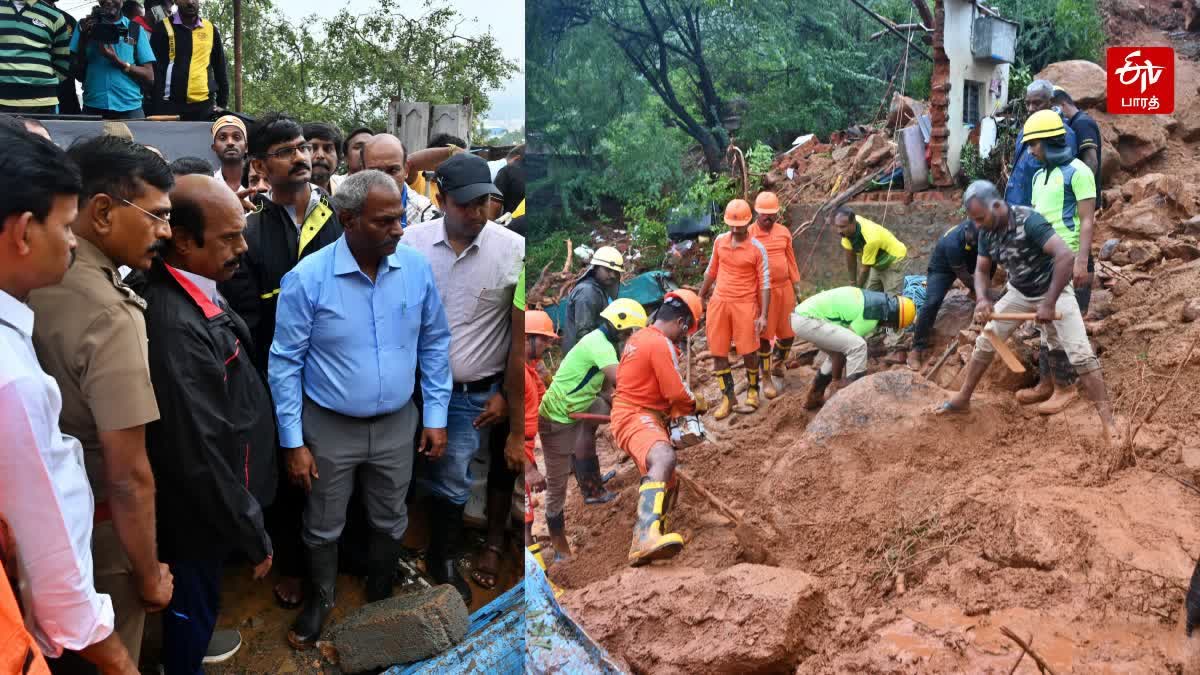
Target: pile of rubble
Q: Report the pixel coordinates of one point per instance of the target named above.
(812, 170)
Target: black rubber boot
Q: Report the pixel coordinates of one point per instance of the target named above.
(318, 602)
(383, 557)
(816, 392)
(591, 483)
(446, 519)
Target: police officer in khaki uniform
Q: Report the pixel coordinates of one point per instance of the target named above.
(90, 336)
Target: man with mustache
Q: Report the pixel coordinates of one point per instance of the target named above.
(229, 145)
(44, 490)
(213, 448)
(293, 220)
(90, 335)
(476, 264)
(356, 322)
(326, 141)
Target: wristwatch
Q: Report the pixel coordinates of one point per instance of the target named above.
(126, 66)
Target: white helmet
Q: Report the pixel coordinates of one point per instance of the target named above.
(610, 258)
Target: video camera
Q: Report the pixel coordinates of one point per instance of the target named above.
(98, 30)
(108, 33)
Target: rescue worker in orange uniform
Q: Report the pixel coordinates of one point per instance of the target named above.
(738, 311)
(776, 238)
(649, 393)
(539, 334)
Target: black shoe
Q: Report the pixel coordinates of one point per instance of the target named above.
(446, 519)
(383, 556)
(591, 483)
(318, 603)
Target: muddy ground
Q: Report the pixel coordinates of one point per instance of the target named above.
(905, 542)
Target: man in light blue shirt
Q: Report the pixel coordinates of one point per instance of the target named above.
(113, 59)
(354, 322)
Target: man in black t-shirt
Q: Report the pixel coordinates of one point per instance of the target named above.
(1087, 132)
(1039, 265)
(953, 258)
(511, 179)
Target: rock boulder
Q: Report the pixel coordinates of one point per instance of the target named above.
(1084, 81)
(747, 618)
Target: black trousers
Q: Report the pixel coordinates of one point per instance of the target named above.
(189, 620)
(937, 284)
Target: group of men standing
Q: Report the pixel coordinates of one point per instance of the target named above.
(250, 375)
(132, 60)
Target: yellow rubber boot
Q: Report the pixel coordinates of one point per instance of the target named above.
(649, 542)
(725, 379)
(764, 374)
(752, 389)
(536, 551)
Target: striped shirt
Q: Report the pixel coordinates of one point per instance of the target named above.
(34, 54)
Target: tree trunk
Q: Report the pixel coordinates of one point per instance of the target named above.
(713, 155)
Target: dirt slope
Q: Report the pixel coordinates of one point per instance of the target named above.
(923, 535)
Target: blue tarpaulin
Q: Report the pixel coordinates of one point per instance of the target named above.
(647, 288)
(553, 642)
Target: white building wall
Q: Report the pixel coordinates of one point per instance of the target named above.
(960, 16)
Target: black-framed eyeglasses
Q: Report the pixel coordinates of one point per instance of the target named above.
(288, 153)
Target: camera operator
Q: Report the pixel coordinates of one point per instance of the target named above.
(112, 57)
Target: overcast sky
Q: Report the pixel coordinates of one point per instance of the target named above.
(503, 18)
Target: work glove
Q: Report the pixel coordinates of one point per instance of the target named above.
(701, 404)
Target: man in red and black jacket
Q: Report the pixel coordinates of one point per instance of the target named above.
(213, 450)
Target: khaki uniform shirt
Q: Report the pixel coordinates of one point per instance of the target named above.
(90, 336)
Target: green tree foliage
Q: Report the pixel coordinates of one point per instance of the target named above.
(347, 67)
(1054, 31)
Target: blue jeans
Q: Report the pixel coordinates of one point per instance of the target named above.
(189, 620)
(450, 476)
(937, 284)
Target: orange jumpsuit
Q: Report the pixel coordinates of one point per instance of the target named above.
(741, 273)
(781, 265)
(649, 391)
(534, 390)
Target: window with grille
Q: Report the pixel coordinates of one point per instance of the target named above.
(972, 95)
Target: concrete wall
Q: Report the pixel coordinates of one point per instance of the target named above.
(820, 255)
(960, 15)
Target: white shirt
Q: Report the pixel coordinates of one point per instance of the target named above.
(207, 286)
(46, 497)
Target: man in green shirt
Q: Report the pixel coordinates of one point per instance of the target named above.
(837, 321)
(883, 256)
(1064, 193)
(586, 373)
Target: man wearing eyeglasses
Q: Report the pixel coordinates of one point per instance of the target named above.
(291, 221)
(476, 264)
(90, 336)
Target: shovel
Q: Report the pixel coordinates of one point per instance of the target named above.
(749, 537)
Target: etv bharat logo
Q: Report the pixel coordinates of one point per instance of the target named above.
(1141, 80)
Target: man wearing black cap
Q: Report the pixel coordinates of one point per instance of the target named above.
(476, 264)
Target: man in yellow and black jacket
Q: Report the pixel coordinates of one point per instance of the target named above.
(190, 74)
(293, 220)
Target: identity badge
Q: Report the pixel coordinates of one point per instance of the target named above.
(1141, 80)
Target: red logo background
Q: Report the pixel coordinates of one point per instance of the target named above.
(1128, 97)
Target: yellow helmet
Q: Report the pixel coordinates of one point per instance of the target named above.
(609, 257)
(624, 313)
(1043, 124)
(908, 312)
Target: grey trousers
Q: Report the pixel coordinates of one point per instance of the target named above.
(379, 449)
(559, 445)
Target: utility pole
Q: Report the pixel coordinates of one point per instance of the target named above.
(237, 55)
